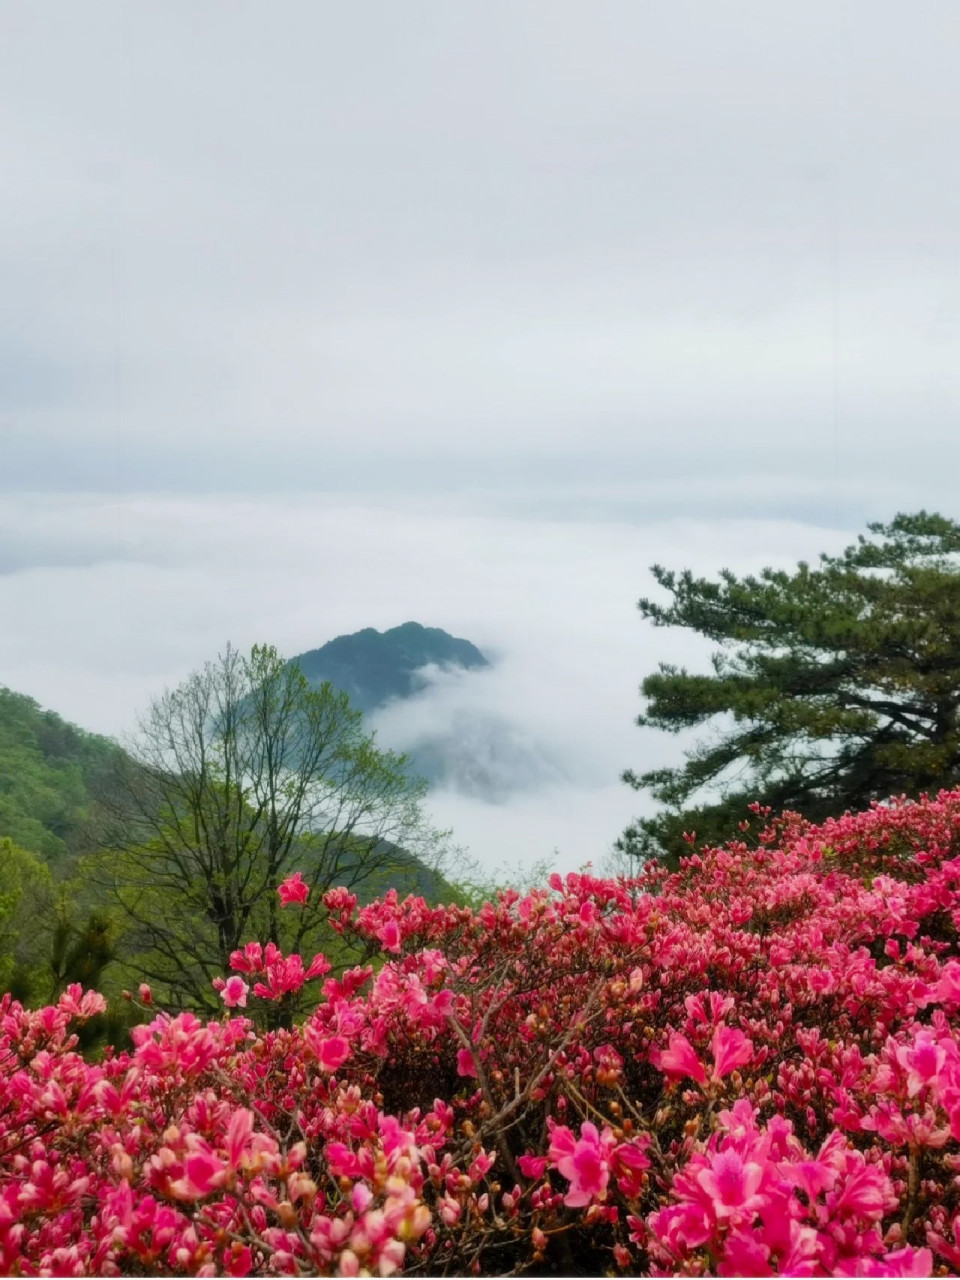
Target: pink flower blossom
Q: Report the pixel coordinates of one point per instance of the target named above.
(293, 889)
(533, 1167)
(332, 1053)
(732, 1184)
(249, 960)
(466, 1065)
(947, 990)
(203, 1173)
(234, 992)
(389, 935)
(629, 1162)
(921, 1061)
(319, 965)
(901, 1262)
(214, 1146)
(679, 1059)
(585, 1163)
(731, 1049)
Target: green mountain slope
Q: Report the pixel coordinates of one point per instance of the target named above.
(58, 923)
(48, 772)
(374, 667)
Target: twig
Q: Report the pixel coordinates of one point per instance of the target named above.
(913, 1187)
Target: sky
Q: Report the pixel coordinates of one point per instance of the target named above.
(315, 317)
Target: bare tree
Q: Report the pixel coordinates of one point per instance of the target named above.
(241, 775)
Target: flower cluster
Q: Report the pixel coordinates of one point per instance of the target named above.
(751, 1066)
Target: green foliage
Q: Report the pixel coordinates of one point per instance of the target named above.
(833, 686)
(80, 952)
(48, 769)
(27, 898)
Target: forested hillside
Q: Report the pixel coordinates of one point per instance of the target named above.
(49, 770)
(118, 866)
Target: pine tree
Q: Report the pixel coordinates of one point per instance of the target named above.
(837, 685)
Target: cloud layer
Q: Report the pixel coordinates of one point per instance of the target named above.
(127, 595)
(350, 248)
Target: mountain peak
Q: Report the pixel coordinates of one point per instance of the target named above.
(374, 667)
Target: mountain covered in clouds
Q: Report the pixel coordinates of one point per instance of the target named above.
(419, 688)
(375, 667)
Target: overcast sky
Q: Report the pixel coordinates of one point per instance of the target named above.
(317, 316)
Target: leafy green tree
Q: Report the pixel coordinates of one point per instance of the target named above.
(80, 953)
(27, 898)
(236, 778)
(833, 686)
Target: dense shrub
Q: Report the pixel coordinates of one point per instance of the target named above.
(749, 1067)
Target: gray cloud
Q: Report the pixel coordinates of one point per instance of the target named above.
(332, 248)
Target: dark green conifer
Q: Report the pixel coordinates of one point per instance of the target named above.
(833, 686)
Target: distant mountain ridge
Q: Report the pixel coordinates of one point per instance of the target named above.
(465, 748)
(375, 667)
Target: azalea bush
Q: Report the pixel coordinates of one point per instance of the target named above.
(748, 1067)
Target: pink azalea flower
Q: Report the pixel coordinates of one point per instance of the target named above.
(901, 1262)
(731, 1049)
(921, 1061)
(204, 1173)
(293, 889)
(864, 1191)
(466, 1066)
(389, 935)
(77, 1003)
(331, 1052)
(234, 992)
(811, 1176)
(947, 989)
(629, 1163)
(239, 1135)
(319, 965)
(949, 1249)
(584, 1163)
(533, 1166)
(745, 1255)
(732, 1184)
(679, 1059)
(249, 960)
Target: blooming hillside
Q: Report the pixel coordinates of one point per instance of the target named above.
(749, 1067)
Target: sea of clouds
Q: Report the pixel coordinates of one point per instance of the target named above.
(110, 599)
